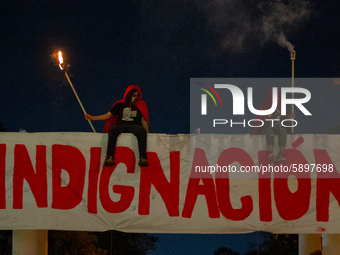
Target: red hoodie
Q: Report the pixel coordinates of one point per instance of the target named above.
(141, 105)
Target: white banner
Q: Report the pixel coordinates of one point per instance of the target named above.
(58, 181)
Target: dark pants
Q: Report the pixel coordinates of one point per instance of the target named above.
(137, 130)
(270, 132)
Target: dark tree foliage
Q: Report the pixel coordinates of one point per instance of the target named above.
(88, 243)
(126, 243)
(283, 244)
(6, 242)
(73, 243)
(225, 251)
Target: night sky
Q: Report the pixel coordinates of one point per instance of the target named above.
(157, 45)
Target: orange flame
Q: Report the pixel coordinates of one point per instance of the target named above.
(61, 60)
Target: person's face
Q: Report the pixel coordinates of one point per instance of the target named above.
(135, 97)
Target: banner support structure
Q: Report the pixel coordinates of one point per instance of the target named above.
(30, 242)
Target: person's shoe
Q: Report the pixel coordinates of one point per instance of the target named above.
(143, 161)
(280, 158)
(271, 157)
(109, 161)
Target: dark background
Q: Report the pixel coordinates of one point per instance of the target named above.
(157, 45)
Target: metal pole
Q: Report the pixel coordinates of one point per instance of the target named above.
(81, 105)
(293, 54)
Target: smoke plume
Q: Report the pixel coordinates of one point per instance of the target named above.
(243, 24)
(282, 40)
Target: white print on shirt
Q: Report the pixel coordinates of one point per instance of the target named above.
(127, 114)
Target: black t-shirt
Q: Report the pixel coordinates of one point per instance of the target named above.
(128, 114)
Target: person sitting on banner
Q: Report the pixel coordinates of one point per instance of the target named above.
(272, 128)
(128, 115)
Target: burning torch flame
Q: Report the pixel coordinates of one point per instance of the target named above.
(61, 65)
(61, 60)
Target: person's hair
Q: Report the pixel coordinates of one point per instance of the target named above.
(129, 95)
